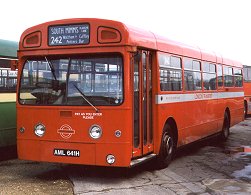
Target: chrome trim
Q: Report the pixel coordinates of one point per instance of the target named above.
(143, 159)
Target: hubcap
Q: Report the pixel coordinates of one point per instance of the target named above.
(169, 145)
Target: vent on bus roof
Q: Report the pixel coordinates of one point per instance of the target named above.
(108, 35)
(32, 40)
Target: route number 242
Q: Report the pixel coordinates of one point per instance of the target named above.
(56, 40)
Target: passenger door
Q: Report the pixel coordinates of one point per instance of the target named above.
(142, 98)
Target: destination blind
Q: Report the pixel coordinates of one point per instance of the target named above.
(77, 34)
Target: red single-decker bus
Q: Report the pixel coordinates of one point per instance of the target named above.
(99, 92)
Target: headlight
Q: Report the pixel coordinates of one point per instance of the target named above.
(95, 131)
(39, 129)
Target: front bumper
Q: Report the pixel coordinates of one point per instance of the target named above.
(74, 153)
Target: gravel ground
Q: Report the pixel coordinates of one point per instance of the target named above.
(25, 177)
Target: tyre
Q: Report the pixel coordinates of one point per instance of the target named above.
(167, 148)
(225, 129)
(245, 109)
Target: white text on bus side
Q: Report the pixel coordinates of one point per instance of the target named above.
(203, 96)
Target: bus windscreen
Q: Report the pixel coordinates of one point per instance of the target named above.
(72, 81)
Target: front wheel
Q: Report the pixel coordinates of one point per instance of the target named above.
(167, 148)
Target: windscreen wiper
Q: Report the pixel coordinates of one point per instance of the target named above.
(85, 98)
(51, 67)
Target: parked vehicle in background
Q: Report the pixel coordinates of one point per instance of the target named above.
(247, 89)
(8, 82)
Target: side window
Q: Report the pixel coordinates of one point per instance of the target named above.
(228, 76)
(247, 73)
(8, 80)
(170, 72)
(219, 75)
(8, 77)
(192, 74)
(209, 76)
(238, 77)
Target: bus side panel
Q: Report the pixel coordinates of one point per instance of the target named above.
(235, 106)
(194, 119)
(248, 99)
(7, 123)
(237, 110)
(200, 118)
(247, 92)
(247, 88)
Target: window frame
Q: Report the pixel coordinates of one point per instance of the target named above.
(172, 68)
(209, 68)
(228, 73)
(192, 70)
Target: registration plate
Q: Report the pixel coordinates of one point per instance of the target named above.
(66, 152)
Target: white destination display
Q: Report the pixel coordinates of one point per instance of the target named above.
(75, 34)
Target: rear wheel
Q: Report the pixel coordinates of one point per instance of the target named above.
(225, 129)
(245, 109)
(167, 148)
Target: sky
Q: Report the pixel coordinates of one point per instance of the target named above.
(222, 26)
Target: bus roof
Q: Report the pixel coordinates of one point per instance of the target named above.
(132, 36)
(8, 49)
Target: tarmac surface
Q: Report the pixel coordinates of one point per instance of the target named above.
(206, 167)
